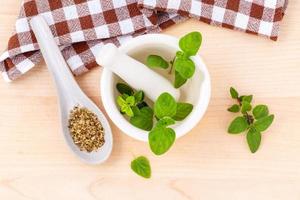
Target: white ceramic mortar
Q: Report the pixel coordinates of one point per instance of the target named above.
(195, 91)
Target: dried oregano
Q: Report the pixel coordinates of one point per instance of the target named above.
(86, 129)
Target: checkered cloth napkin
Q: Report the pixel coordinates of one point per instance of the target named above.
(81, 27)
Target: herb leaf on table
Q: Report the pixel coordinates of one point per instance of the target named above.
(141, 166)
(190, 43)
(253, 139)
(254, 124)
(238, 125)
(161, 138)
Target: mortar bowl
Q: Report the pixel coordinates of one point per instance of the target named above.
(196, 90)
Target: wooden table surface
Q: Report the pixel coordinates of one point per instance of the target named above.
(208, 163)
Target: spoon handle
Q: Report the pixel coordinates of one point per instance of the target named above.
(59, 69)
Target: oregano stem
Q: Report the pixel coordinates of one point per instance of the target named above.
(172, 64)
(249, 118)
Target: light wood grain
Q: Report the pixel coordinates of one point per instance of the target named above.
(208, 163)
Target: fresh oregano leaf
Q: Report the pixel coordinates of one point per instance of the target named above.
(124, 96)
(120, 101)
(139, 96)
(247, 98)
(234, 94)
(165, 106)
(124, 105)
(253, 139)
(190, 43)
(130, 100)
(143, 119)
(161, 139)
(164, 122)
(127, 110)
(183, 110)
(141, 166)
(260, 111)
(185, 67)
(234, 108)
(135, 110)
(157, 61)
(124, 89)
(179, 80)
(238, 125)
(256, 123)
(263, 123)
(245, 107)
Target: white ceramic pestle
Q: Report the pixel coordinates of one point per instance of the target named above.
(135, 73)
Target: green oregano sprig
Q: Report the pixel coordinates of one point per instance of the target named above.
(166, 111)
(133, 105)
(182, 64)
(254, 123)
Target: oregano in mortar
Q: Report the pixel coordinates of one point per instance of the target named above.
(166, 111)
(182, 64)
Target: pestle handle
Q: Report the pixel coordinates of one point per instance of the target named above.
(135, 73)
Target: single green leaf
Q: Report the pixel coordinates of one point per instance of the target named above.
(238, 125)
(190, 43)
(263, 123)
(143, 119)
(260, 111)
(185, 67)
(234, 94)
(120, 101)
(245, 106)
(165, 106)
(164, 122)
(156, 61)
(130, 100)
(183, 110)
(124, 89)
(179, 80)
(234, 108)
(253, 139)
(161, 139)
(124, 107)
(135, 110)
(141, 166)
(139, 96)
(247, 98)
(127, 110)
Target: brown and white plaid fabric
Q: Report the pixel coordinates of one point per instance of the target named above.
(81, 27)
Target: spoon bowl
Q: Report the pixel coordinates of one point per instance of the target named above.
(69, 93)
